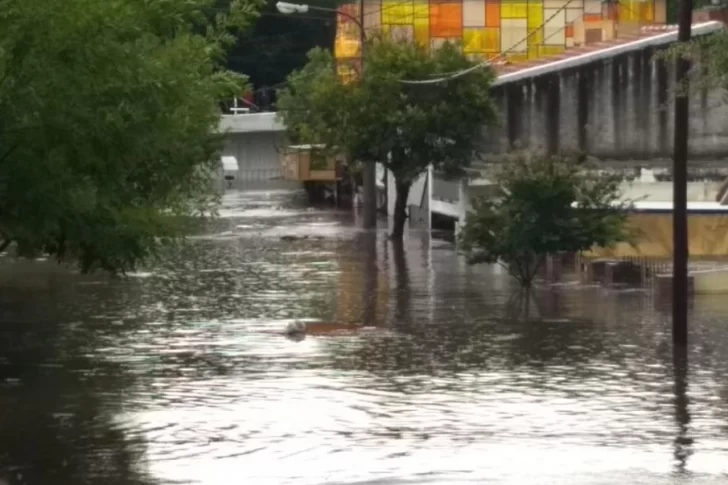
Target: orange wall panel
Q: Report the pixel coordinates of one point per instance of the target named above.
(446, 20)
(492, 13)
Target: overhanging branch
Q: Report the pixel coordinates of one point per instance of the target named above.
(9, 152)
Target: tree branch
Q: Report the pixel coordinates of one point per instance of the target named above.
(9, 152)
(519, 273)
(4, 245)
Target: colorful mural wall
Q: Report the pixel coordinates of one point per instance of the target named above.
(513, 30)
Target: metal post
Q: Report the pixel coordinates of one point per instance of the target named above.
(680, 173)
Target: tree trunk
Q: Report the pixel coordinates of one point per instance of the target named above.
(369, 179)
(400, 210)
(370, 293)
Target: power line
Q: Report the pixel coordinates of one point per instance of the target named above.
(455, 74)
(490, 61)
(444, 77)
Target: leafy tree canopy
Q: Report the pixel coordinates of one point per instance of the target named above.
(548, 204)
(108, 121)
(378, 118)
(709, 57)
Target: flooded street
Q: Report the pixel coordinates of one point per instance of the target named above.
(415, 371)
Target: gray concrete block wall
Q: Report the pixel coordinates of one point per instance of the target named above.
(259, 165)
(619, 108)
(443, 189)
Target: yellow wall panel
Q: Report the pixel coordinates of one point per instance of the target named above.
(492, 40)
(397, 12)
(551, 50)
(535, 15)
(514, 10)
(535, 37)
(525, 29)
(421, 10)
(346, 47)
(422, 34)
(647, 12)
(628, 11)
(483, 40)
(473, 40)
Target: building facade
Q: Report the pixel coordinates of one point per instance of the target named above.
(502, 30)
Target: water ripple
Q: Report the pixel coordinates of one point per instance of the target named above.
(415, 370)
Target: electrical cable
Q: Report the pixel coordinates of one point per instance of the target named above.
(490, 61)
(449, 76)
(444, 77)
(455, 74)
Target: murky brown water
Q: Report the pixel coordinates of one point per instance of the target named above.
(177, 374)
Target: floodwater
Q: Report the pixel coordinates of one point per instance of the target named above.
(418, 369)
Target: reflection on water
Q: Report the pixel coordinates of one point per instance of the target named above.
(415, 373)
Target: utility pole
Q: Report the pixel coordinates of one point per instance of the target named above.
(679, 188)
(369, 169)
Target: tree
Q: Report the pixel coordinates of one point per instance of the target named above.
(108, 122)
(378, 118)
(548, 204)
(277, 43)
(708, 55)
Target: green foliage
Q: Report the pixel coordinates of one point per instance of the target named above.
(312, 104)
(377, 118)
(548, 204)
(440, 124)
(108, 123)
(708, 55)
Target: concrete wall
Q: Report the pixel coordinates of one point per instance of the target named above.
(616, 106)
(448, 190)
(662, 191)
(251, 123)
(258, 160)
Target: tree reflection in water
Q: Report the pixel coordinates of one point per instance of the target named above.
(402, 310)
(371, 273)
(57, 404)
